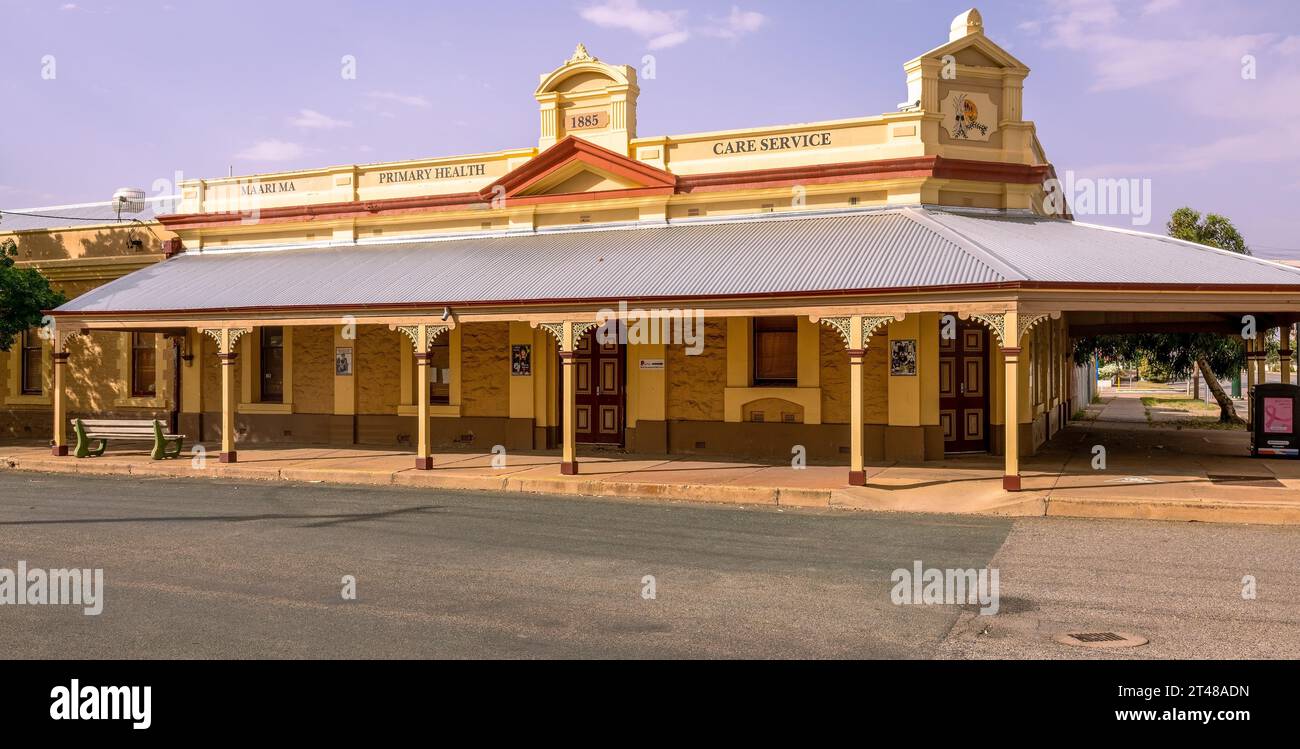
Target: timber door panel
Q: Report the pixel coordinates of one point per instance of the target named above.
(600, 380)
(964, 389)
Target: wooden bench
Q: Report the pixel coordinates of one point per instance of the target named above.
(100, 431)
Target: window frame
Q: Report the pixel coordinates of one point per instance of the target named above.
(760, 330)
(263, 394)
(26, 346)
(441, 344)
(139, 349)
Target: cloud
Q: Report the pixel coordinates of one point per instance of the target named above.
(1197, 76)
(671, 39)
(410, 100)
(668, 28)
(662, 28)
(313, 120)
(271, 150)
(736, 24)
(1159, 6)
(68, 6)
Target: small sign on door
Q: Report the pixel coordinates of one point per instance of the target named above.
(652, 363)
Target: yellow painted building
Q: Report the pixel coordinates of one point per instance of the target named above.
(883, 288)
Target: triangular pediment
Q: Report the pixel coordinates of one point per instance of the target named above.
(578, 177)
(576, 166)
(976, 50)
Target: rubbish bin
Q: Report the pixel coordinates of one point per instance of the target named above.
(1273, 424)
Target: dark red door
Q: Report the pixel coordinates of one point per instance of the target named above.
(598, 369)
(964, 388)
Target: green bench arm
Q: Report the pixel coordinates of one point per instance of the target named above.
(164, 447)
(85, 448)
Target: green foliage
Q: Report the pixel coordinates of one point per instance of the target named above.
(1214, 230)
(1154, 370)
(1176, 352)
(24, 296)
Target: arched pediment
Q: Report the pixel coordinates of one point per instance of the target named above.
(588, 99)
(582, 72)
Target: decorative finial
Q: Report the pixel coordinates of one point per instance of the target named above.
(580, 54)
(966, 24)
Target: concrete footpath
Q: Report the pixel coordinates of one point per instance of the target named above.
(1187, 474)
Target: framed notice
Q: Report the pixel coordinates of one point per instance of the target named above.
(343, 362)
(521, 360)
(902, 358)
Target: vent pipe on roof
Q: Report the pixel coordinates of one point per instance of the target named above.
(128, 200)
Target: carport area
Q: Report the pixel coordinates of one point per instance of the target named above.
(1152, 460)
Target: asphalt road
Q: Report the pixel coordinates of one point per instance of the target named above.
(215, 569)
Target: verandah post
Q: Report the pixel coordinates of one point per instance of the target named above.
(424, 448)
(60, 357)
(228, 358)
(1284, 353)
(857, 353)
(569, 441)
(1011, 397)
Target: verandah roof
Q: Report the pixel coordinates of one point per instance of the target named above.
(862, 251)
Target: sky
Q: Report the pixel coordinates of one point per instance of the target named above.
(1197, 100)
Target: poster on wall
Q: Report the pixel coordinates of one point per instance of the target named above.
(1278, 416)
(902, 358)
(521, 360)
(343, 362)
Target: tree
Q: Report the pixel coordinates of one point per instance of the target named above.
(1214, 230)
(24, 296)
(1214, 355)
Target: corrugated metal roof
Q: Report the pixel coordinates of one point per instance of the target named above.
(86, 214)
(890, 249)
(1052, 250)
(827, 253)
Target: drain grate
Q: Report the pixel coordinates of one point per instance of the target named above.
(1101, 639)
(1097, 636)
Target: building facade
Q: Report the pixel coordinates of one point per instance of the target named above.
(884, 288)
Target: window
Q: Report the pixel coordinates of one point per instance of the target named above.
(776, 351)
(439, 371)
(33, 364)
(272, 364)
(144, 362)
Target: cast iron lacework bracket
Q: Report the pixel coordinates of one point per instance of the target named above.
(997, 322)
(844, 326)
(235, 335)
(1027, 321)
(413, 332)
(62, 337)
(994, 321)
(556, 329)
(873, 323)
(840, 325)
